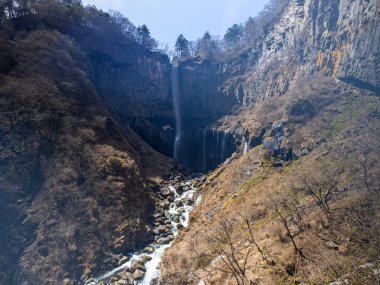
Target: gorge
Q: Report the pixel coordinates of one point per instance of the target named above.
(254, 163)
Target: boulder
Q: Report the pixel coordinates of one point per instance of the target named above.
(180, 210)
(127, 275)
(146, 258)
(149, 249)
(180, 226)
(157, 215)
(124, 282)
(189, 202)
(167, 193)
(163, 240)
(140, 265)
(138, 275)
(176, 219)
(332, 245)
(123, 260)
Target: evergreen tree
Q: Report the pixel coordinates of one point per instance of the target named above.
(182, 46)
(234, 34)
(144, 38)
(206, 46)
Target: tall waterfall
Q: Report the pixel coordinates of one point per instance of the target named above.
(177, 111)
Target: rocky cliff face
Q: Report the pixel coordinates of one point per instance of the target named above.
(306, 97)
(135, 85)
(332, 38)
(338, 39)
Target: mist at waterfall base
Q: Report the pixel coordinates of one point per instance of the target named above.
(197, 146)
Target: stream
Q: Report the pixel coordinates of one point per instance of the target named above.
(172, 214)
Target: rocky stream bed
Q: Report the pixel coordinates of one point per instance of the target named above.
(176, 199)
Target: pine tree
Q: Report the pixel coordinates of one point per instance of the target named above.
(234, 34)
(182, 46)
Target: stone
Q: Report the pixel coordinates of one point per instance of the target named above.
(90, 280)
(114, 278)
(123, 260)
(67, 281)
(166, 192)
(159, 220)
(180, 210)
(126, 275)
(139, 265)
(164, 204)
(189, 202)
(149, 249)
(332, 245)
(138, 275)
(180, 226)
(157, 215)
(176, 219)
(163, 240)
(343, 249)
(146, 258)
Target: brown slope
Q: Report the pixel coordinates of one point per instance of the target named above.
(73, 183)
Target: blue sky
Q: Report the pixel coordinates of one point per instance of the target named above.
(166, 19)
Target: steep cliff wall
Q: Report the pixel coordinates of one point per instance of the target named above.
(338, 39)
(332, 38)
(135, 85)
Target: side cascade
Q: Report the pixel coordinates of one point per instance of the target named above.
(217, 147)
(172, 214)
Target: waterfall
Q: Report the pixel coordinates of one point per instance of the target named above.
(177, 111)
(223, 152)
(245, 147)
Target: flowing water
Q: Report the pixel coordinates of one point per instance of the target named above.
(180, 208)
(177, 111)
(245, 147)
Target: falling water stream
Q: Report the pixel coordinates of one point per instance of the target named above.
(177, 112)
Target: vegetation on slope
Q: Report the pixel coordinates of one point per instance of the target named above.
(73, 181)
(313, 220)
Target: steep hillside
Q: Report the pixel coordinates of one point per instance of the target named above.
(298, 202)
(311, 220)
(75, 183)
(285, 129)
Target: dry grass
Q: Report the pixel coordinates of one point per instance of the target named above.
(335, 235)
